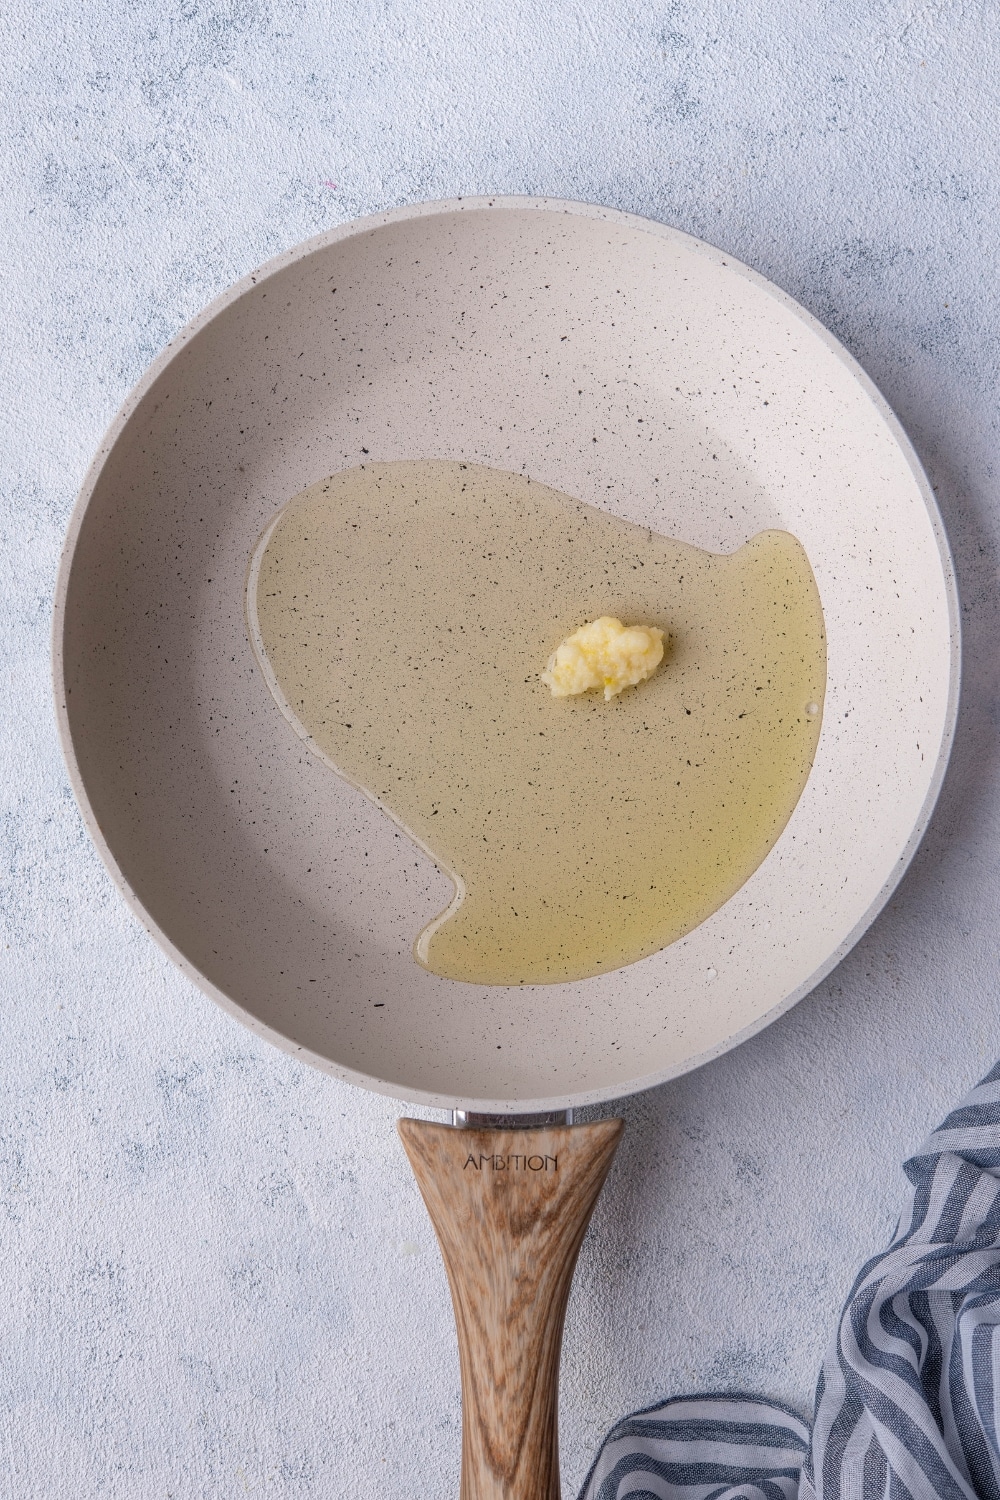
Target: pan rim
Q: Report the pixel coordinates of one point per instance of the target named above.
(189, 331)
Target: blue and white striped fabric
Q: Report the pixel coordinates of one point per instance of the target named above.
(908, 1400)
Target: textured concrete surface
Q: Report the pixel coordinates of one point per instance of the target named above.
(216, 1277)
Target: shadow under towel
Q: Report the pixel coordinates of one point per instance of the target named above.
(907, 1399)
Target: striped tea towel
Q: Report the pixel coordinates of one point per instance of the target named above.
(908, 1400)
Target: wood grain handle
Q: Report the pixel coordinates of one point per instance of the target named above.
(510, 1208)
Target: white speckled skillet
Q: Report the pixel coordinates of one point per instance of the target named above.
(711, 406)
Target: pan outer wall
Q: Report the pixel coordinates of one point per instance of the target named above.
(611, 358)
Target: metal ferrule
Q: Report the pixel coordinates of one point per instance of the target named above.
(468, 1120)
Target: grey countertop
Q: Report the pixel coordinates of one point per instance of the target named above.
(217, 1278)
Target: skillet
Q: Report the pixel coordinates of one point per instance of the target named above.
(511, 333)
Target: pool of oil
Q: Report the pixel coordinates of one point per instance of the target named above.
(402, 614)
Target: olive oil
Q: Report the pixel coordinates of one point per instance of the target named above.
(403, 614)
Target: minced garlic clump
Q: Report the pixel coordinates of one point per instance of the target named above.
(604, 654)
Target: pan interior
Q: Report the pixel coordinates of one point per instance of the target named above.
(619, 362)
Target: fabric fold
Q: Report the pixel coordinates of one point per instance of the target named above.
(906, 1405)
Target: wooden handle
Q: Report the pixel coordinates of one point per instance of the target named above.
(510, 1208)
